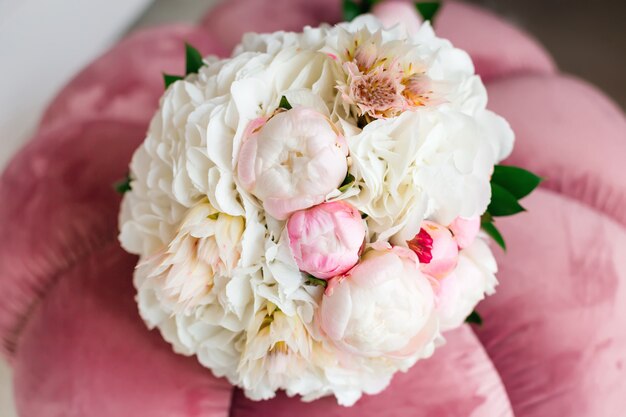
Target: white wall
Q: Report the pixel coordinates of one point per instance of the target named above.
(6, 393)
(42, 44)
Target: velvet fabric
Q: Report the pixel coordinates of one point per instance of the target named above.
(553, 342)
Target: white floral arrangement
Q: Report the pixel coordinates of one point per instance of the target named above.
(307, 212)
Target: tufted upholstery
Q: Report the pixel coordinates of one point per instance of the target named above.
(552, 344)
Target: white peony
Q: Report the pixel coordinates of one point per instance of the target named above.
(207, 246)
(428, 164)
(276, 353)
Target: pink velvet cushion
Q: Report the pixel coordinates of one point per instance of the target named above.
(58, 206)
(67, 318)
(497, 48)
(570, 133)
(85, 352)
(555, 329)
(127, 82)
(229, 20)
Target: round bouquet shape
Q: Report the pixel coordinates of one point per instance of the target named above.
(307, 211)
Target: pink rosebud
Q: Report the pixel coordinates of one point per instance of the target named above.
(293, 161)
(436, 249)
(465, 230)
(392, 13)
(383, 307)
(326, 239)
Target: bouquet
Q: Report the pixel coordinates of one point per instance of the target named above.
(307, 212)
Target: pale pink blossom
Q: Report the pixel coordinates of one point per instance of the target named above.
(382, 80)
(465, 230)
(384, 306)
(392, 13)
(208, 244)
(418, 91)
(326, 239)
(366, 55)
(460, 291)
(436, 249)
(292, 161)
(377, 92)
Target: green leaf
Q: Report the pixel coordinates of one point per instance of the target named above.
(123, 186)
(428, 10)
(503, 203)
(311, 280)
(515, 180)
(486, 218)
(284, 103)
(350, 10)
(474, 318)
(494, 233)
(347, 183)
(170, 79)
(366, 5)
(194, 59)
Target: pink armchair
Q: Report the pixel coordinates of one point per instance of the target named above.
(554, 338)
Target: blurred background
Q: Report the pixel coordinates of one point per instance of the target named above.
(40, 51)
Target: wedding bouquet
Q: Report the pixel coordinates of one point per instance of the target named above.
(307, 212)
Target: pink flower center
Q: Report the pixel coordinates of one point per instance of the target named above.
(376, 92)
(422, 245)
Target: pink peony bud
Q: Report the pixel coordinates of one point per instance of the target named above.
(465, 230)
(436, 249)
(326, 239)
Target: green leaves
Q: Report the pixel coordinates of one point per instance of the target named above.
(284, 103)
(428, 10)
(509, 184)
(350, 10)
(474, 318)
(515, 180)
(193, 63)
(503, 202)
(170, 79)
(354, 8)
(123, 186)
(194, 60)
(494, 233)
(311, 280)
